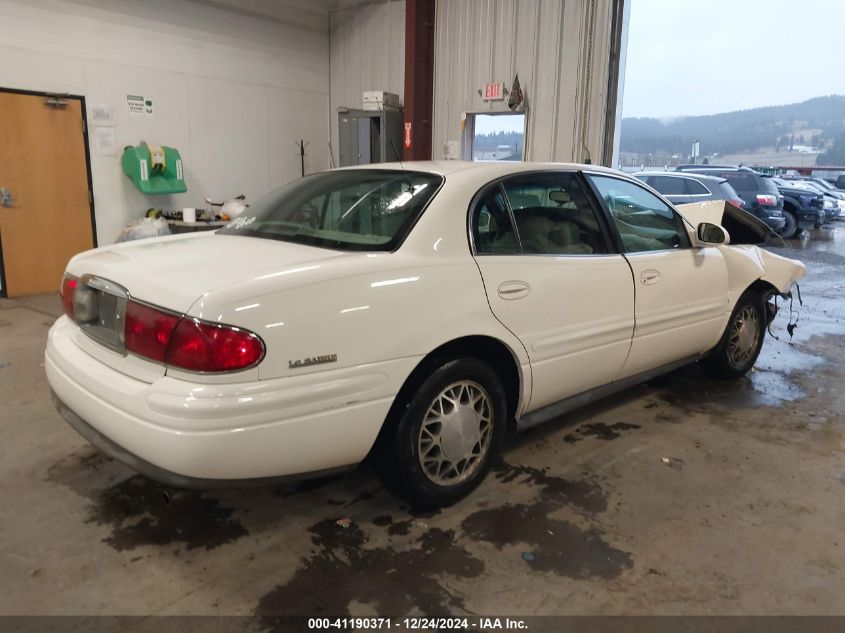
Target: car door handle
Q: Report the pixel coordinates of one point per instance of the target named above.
(649, 277)
(510, 290)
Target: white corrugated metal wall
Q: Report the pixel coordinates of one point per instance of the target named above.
(548, 42)
(367, 45)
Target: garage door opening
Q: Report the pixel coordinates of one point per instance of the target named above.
(495, 136)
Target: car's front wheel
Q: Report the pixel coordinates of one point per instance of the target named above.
(742, 341)
(446, 434)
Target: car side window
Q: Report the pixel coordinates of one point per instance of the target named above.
(696, 188)
(492, 231)
(669, 185)
(553, 215)
(644, 221)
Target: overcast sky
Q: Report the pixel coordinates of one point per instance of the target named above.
(688, 57)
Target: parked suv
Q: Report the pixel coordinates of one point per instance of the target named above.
(834, 201)
(758, 192)
(685, 188)
(803, 207)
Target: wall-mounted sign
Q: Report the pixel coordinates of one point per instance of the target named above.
(407, 135)
(493, 91)
(104, 142)
(139, 106)
(103, 115)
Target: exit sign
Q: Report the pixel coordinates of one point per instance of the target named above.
(493, 91)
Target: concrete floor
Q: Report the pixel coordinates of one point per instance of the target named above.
(680, 496)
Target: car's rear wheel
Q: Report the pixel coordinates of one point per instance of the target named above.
(791, 227)
(446, 435)
(742, 341)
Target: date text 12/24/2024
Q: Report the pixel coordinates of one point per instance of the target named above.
(418, 624)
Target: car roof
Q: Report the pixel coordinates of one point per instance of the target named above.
(717, 168)
(682, 174)
(493, 168)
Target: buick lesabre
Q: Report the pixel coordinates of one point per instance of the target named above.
(411, 313)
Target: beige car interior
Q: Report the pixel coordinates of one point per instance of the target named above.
(549, 231)
(553, 229)
(548, 222)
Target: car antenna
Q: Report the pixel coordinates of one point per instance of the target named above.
(399, 160)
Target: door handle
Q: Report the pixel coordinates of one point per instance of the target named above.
(510, 290)
(5, 197)
(649, 277)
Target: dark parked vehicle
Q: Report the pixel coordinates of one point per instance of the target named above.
(830, 203)
(685, 188)
(757, 191)
(802, 207)
(840, 182)
(826, 188)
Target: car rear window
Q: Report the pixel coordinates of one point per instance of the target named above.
(767, 185)
(349, 209)
(741, 180)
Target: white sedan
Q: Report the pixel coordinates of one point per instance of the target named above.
(411, 313)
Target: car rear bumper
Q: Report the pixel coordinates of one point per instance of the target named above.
(775, 222)
(202, 435)
(117, 452)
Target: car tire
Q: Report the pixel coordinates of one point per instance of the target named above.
(740, 345)
(791, 227)
(432, 453)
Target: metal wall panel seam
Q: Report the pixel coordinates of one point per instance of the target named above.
(556, 109)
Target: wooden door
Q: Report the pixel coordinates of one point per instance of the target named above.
(43, 167)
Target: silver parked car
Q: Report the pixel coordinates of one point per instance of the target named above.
(683, 188)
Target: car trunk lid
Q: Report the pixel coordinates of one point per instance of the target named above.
(172, 273)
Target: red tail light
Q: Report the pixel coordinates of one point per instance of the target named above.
(200, 346)
(767, 200)
(68, 287)
(148, 330)
(738, 203)
(188, 343)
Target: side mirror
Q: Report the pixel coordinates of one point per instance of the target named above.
(711, 234)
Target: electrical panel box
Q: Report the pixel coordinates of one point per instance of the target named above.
(368, 136)
(379, 100)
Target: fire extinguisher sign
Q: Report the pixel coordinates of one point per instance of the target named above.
(408, 135)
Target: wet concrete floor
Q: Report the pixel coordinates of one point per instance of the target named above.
(680, 496)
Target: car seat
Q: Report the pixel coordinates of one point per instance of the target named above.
(542, 234)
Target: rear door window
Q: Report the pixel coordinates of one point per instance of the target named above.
(492, 229)
(554, 215)
(669, 185)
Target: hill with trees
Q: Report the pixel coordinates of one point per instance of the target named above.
(817, 122)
